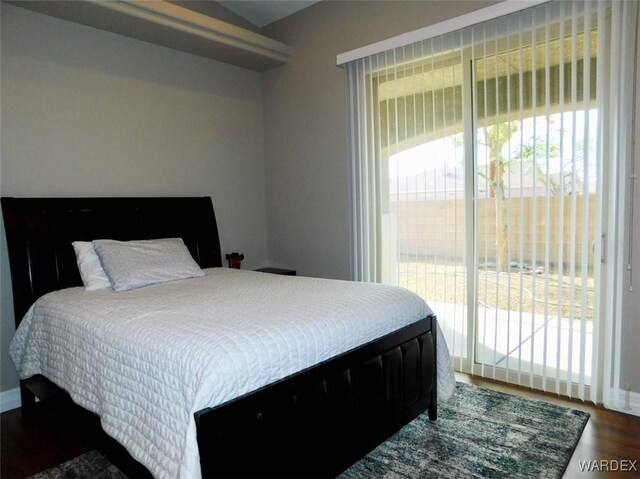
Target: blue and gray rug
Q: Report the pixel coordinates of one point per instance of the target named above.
(90, 465)
(479, 433)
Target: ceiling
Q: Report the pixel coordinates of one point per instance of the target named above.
(264, 12)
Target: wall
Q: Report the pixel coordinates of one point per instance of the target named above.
(305, 118)
(630, 372)
(90, 113)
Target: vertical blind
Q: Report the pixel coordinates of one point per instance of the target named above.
(485, 177)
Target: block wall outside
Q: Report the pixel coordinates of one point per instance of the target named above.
(435, 229)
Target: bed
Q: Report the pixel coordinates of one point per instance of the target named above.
(315, 420)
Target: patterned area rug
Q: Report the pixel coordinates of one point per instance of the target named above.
(479, 433)
(89, 465)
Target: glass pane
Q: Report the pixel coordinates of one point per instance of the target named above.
(536, 203)
(423, 231)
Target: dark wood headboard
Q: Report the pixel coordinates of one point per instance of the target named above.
(40, 232)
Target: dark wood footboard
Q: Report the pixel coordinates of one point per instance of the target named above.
(318, 422)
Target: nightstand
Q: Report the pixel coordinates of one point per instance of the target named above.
(285, 272)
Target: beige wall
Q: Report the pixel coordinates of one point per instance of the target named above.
(305, 118)
(89, 113)
(630, 373)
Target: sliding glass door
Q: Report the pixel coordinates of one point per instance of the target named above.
(487, 180)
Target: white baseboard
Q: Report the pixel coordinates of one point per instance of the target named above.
(634, 404)
(9, 399)
(628, 402)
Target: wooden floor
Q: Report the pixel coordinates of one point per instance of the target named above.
(27, 449)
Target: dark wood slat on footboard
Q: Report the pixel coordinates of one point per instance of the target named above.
(318, 422)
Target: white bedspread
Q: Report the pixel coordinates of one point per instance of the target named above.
(146, 360)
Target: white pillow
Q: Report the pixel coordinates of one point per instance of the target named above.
(133, 264)
(93, 276)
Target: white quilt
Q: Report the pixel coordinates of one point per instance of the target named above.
(146, 360)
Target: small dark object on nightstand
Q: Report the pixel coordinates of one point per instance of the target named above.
(285, 272)
(234, 260)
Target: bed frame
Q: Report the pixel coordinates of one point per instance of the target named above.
(313, 423)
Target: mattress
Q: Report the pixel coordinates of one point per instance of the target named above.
(146, 360)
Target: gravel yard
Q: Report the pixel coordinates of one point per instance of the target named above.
(550, 293)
